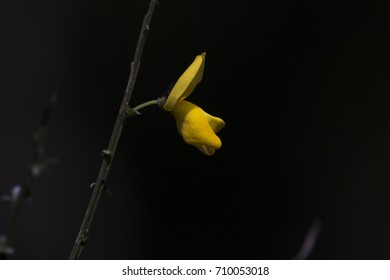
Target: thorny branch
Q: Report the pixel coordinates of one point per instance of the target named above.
(109, 153)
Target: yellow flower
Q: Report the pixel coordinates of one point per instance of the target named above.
(196, 126)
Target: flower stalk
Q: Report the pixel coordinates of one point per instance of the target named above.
(134, 111)
(109, 153)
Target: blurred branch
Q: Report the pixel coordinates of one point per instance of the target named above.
(22, 192)
(109, 153)
(310, 241)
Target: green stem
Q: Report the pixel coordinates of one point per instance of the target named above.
(108, 154)
(146, 104)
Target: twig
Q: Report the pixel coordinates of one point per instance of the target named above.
(21, 193)
(109, 153)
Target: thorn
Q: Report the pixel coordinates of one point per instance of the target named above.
(106, 154)
(104, 188)
(108, 191)
(84, 237)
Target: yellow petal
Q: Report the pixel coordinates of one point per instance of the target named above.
(206, 150)
(187, 82)
(215, 123)
(195, 126)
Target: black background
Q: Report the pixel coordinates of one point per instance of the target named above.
(303, 87)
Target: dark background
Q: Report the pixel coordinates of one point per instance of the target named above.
(303, 87)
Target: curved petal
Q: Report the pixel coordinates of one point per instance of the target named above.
(215, 123)
(194, 126)
(187, 82)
